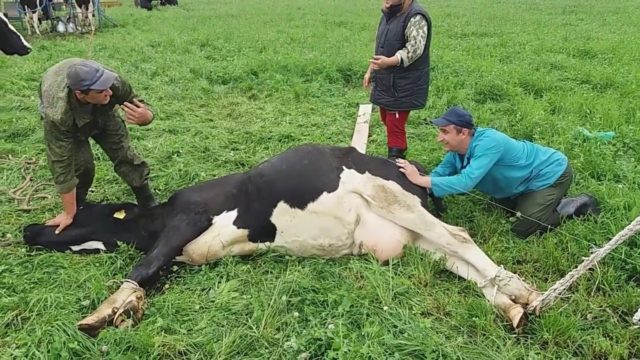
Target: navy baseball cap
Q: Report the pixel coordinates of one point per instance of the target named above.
(89, 75)
(455, 116)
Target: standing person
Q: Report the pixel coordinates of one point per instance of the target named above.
(399, 69)
(526, 178)
(77, 102)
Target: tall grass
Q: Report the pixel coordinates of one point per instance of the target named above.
(236, 82)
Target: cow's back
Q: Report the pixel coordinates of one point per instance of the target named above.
(300, 176)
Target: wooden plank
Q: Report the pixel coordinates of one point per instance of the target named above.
(361, 131)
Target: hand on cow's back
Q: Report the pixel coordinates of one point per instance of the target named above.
(61, 221)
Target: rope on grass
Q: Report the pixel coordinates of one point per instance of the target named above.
(25, 192)
(559, 287)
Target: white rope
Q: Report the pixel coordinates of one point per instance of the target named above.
(559, 287)
(492, 281)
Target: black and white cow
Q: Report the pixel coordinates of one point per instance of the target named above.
(311, 200)
(11, 42)
(146, 4)
(83, 10)
(33, 10)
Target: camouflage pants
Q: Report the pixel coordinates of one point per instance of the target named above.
(113, 138)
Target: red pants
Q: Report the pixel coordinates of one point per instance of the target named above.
(395, 122)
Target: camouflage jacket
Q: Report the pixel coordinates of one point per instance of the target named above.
(66, 120)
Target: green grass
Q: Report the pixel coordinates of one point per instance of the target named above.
(236, 82)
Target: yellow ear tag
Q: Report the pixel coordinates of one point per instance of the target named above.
(120, 214)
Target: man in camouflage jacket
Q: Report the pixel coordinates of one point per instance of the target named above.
(77, 102)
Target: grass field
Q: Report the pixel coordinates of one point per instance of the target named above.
(236, 82)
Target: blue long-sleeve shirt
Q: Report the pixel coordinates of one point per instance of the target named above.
(498, 166)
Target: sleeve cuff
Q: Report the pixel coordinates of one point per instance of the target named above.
(67, 187)
(436, 188)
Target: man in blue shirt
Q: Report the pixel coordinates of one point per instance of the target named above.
(524, 177)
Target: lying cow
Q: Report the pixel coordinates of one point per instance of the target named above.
(308, 201)
(11, 42)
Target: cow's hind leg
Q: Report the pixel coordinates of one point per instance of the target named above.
(463, 256)
(128, 301)
(502, 288)
(467, 258)
(512, 310)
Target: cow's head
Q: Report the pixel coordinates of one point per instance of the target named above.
(11, 42)
(99, 227)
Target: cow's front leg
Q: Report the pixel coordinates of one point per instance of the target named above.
(27, 20)
(78, 17)
(90, 17)
(36, 22)
(127, 303)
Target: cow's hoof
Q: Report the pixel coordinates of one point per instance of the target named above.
(126, 303)
(130, 313)
(527, 298)
(533, 296)
(518, 317)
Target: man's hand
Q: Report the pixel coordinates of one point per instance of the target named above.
(382, 62)
(412, 173)
(61, 221)
(137, 113)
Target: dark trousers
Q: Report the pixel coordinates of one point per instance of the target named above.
(538, 208)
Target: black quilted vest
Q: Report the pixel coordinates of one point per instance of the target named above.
(399, 87)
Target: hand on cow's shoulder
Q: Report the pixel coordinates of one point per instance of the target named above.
(412, 173)
(63, 220)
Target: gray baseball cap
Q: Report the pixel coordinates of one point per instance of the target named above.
(89, 75)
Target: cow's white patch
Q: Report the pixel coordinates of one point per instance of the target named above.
(222, 238)
(89, 245)
(344, 222)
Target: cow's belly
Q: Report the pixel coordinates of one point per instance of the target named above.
(381, 237)
(337, 224)
(324, 228)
